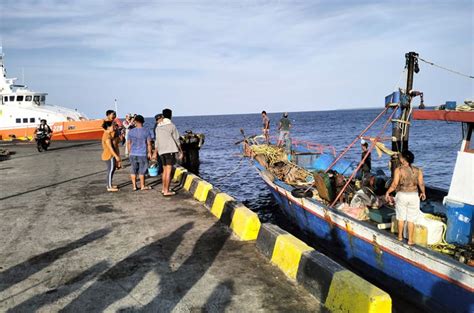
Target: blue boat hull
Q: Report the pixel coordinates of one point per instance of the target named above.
(393, 272)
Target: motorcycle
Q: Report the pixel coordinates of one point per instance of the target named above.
(42, 141)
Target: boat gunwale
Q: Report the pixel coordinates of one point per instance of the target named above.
(439, 258)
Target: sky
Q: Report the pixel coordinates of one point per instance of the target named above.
(229, 57)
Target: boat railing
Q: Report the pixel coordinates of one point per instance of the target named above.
(297, 144)
(313, 147)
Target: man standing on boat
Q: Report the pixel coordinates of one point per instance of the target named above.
(284, 128)
(139, 147)
(167, 145)
(407, 179)
(367, 166)
(266, 127)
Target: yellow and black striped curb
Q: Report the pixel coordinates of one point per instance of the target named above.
(244, 222)
(338, 288)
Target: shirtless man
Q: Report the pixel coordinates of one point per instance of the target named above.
(408, 179)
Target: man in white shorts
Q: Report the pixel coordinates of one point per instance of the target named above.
(408, 179)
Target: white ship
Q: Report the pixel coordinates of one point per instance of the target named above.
(21, 111)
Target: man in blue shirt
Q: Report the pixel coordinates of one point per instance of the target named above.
(139, 147)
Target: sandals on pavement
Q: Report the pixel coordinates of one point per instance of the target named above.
(146, 188)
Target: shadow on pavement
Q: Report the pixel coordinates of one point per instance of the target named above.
(51, 296)
(220, 298)
(22, 271)
(119, 280)
(51, 185)
(174, 285)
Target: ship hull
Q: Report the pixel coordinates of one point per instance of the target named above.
(428, 279)
(74, 130)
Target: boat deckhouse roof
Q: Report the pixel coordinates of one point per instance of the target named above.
(444, 115)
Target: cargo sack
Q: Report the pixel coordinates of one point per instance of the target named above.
(324, 186)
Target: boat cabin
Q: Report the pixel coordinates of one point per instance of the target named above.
(27, 98)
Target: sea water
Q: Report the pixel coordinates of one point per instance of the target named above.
(434, 143)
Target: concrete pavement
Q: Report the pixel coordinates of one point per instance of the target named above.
(67, 245)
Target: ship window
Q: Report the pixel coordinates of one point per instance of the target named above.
(43, 98)
(12, 98)
(28, 98)
(36, 98)
(32, 119)
(25, 120)
(5, 99)
(18, 120)
(19, 98)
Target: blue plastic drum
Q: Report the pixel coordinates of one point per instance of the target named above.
(460, 225)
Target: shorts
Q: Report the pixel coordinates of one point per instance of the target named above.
(138, 164)
(407, 206)
(284, 134)
(266, 131)
(168, 159)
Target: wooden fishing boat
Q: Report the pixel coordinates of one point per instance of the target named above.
(428, 278)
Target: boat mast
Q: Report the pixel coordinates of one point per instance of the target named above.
(401, 123)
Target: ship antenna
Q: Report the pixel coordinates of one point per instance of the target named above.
(116, 111)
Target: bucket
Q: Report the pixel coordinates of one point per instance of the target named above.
(153, 171)
(459, 222)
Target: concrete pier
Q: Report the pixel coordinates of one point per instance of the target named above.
(68, 245)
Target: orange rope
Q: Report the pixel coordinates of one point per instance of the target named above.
(372, 146)
(355, 139)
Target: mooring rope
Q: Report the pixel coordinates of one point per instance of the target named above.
(233, 171)
(446, 69)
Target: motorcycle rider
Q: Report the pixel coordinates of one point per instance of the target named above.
(44, 127)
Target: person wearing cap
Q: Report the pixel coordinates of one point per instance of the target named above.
(367, 166)
(284, 128)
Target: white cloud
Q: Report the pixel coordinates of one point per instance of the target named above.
(201, 55)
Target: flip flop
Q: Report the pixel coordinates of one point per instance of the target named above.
(171, 193)
(146, 188)
(134, 189)
(112, 189)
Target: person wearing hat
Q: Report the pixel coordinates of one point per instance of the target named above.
(284, 128)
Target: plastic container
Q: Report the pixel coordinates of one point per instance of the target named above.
(426, 232)
(342, 166)
(394, 97)
(153, 171)
(460, 225)
(450, 105)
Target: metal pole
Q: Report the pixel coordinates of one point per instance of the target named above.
(401, 129)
